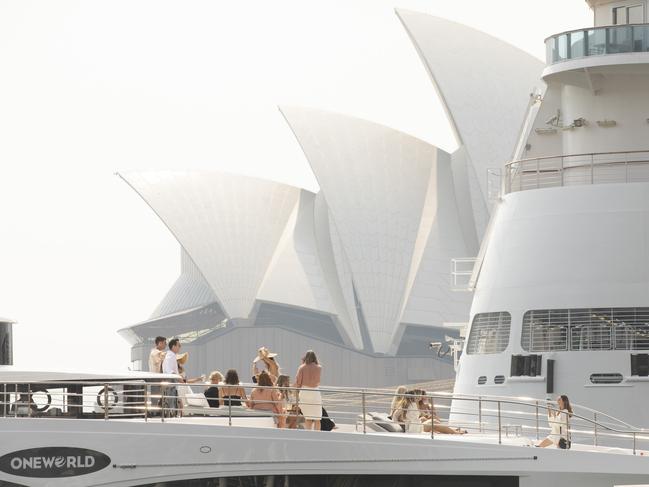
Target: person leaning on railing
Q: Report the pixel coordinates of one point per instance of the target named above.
(266, 398)
(559, 424)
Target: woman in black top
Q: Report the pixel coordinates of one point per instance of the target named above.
(232, 392)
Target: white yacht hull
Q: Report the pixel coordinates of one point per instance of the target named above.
(145, 453)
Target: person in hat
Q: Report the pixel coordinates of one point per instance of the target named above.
(265, 360)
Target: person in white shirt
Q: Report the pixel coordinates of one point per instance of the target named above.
(170, 362)
(157, 354)
(170, 366)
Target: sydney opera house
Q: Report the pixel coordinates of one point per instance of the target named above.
(360, 270)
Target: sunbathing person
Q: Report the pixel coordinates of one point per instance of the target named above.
(429, 416)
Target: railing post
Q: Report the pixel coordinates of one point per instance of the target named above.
(16, 401)
(230, 411)
(595, 421)
(592, 168)
(146, 401)
(634, 442)
(500, 440)
(480, 413)
(363, 404)
(538, 173)
(432, 418)
(537, 420)
(562, 180)
(105, 401)
(29, 400)
(162, 403)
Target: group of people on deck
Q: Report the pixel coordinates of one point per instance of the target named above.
(289, 403)
(414, 412)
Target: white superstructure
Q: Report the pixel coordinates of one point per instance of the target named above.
(561, 300)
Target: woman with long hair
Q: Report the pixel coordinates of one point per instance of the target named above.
(406, 413)
(558, 421)
(283, 383)
(398, 395)
(231, 393)
(307, 380)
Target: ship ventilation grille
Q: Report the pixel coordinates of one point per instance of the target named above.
(499, 379)
(608, 378)
(482, 380)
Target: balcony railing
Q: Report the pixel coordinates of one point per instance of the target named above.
(577, 169)
(597, 41)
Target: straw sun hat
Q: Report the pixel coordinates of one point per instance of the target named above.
(263, 353)
(181, 358)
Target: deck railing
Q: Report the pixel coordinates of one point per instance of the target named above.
(365, 410)
(576, 169)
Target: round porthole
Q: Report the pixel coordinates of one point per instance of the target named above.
(205, 449)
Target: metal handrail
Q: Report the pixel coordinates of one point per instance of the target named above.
(492, 418)
(539, 176)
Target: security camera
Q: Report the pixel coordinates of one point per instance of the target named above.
(434, 345)
(554, 121)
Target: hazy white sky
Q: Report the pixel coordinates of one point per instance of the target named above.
(89, 88)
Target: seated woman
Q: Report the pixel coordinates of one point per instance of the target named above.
(398, 395)
(429, 418)
(287, 399)
(406, 413)
(231, 393)
(558, 420)
(265, 397)
(212, 393)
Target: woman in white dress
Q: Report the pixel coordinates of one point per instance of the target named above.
(558, 421)
(307, 380)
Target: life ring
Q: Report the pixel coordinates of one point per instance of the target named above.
(47, 405)
(102, 394)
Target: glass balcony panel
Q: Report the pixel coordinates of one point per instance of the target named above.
(577, 44)
(596, 41)
(640, 34)
(562, 47)
(619, 40)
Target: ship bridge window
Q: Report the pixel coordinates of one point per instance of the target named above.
(489, 333)
(549, 330)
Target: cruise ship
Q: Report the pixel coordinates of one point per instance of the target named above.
(560, 307)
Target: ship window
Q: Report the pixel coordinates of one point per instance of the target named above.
(482, 380)
(585, 329)
(608, 378)
(489, 333)
(499, 379)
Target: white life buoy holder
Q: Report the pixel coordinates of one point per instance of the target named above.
(113, 398)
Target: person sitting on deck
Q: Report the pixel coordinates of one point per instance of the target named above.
(398, 395)
(558, 420)
(266, 398)
(212, 392)
(231, 393)
(429, 417)
(407, 413)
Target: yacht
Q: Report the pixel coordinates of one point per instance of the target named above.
(560, 288)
